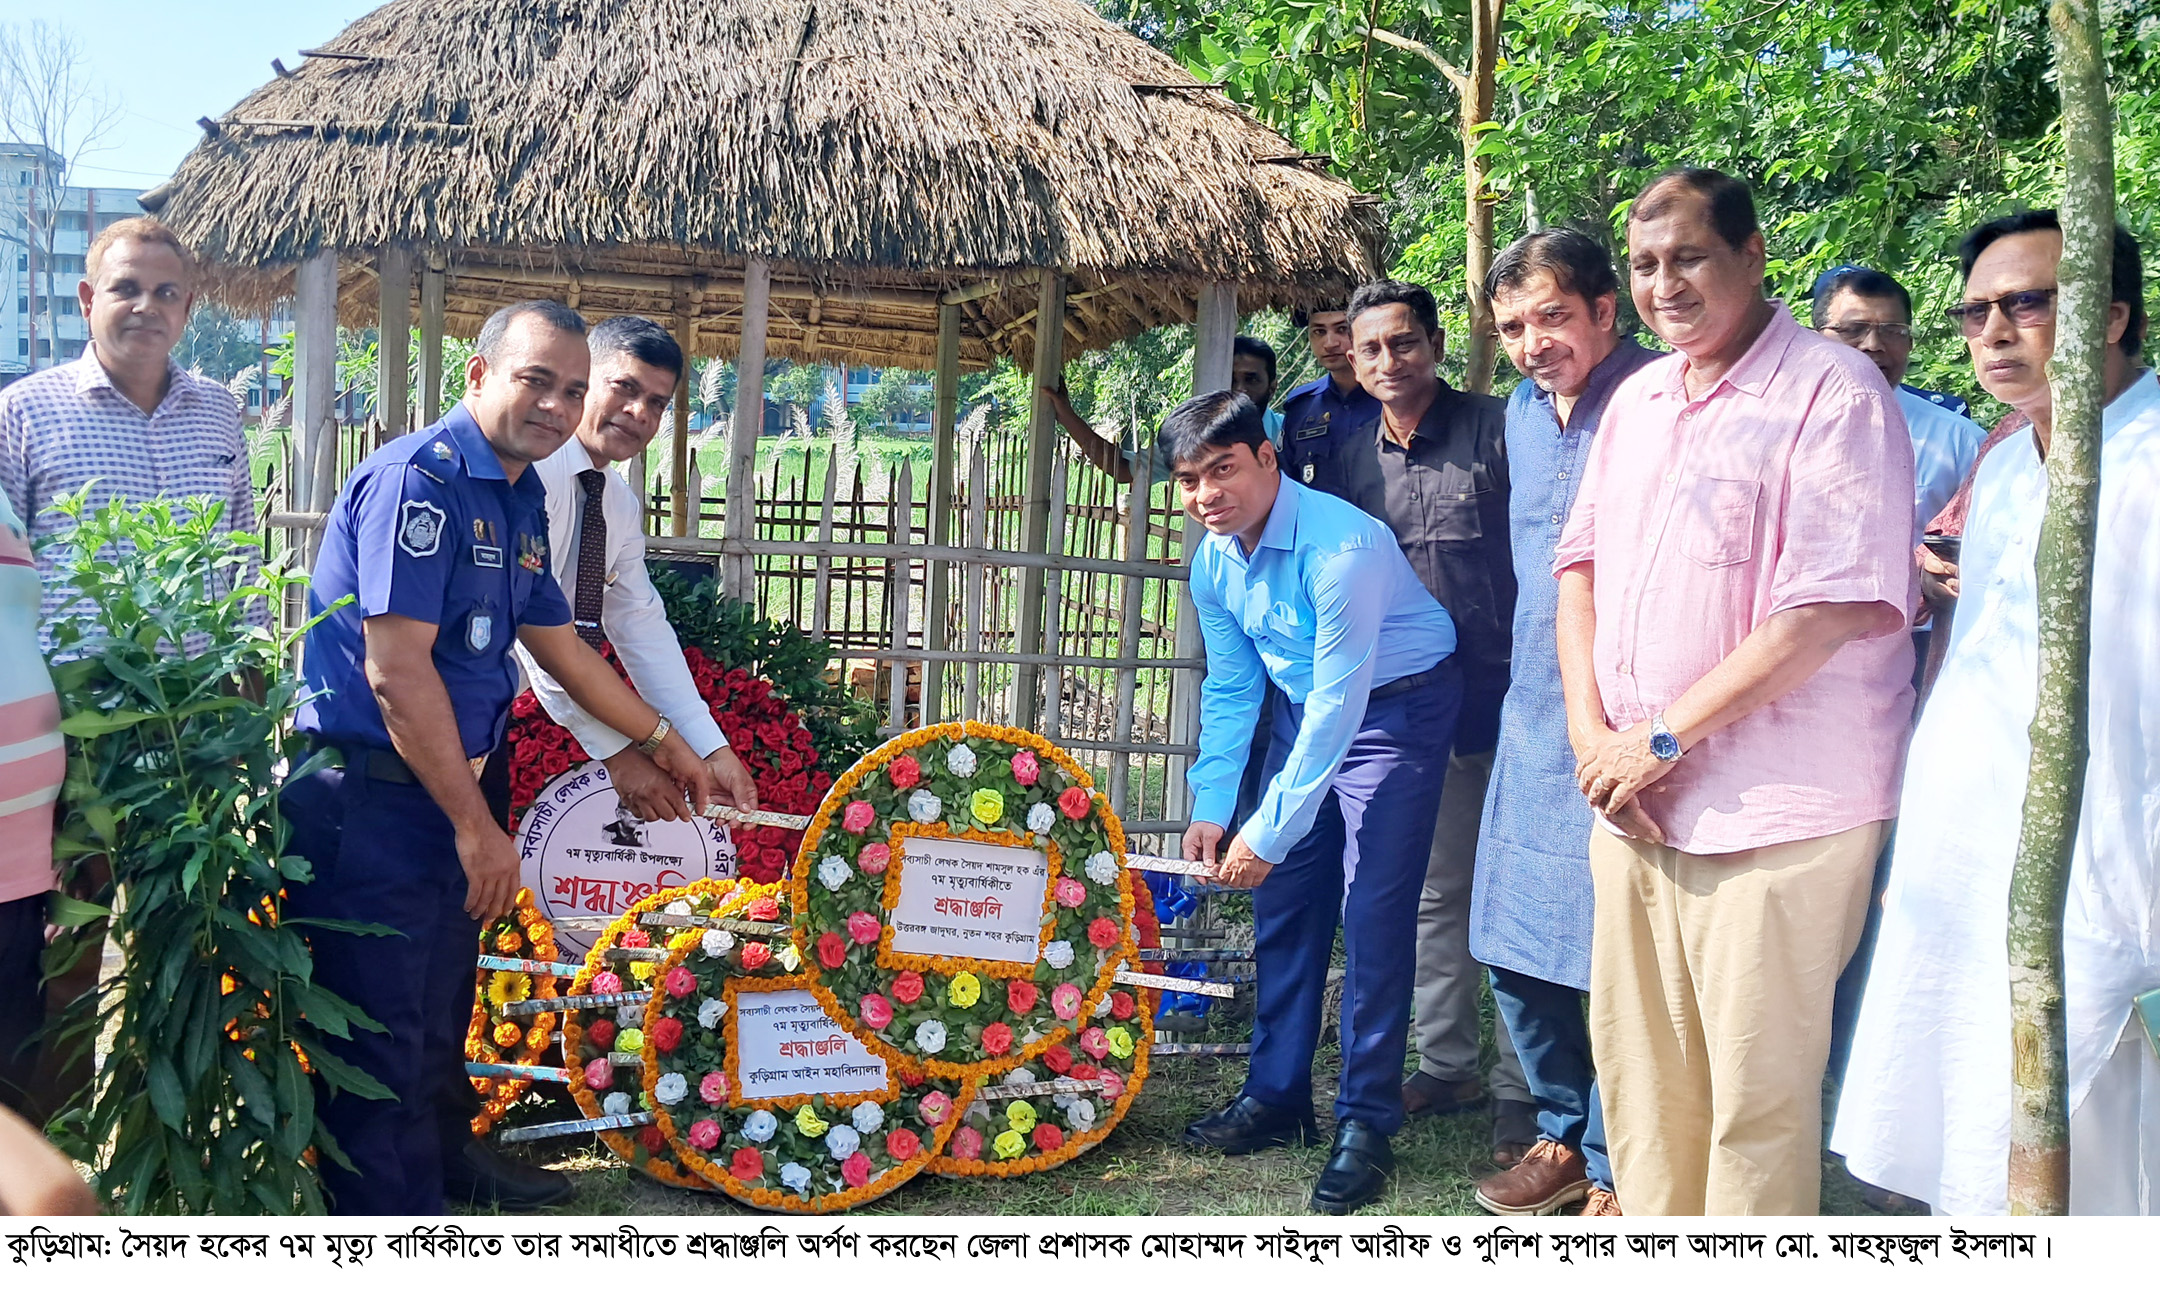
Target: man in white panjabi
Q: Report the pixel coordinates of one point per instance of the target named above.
(1925, 1108)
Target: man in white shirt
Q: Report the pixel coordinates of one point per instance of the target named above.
(597, 548)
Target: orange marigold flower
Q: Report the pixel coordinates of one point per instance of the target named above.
(509, 943)
(537, 1038)
(507, 1034)
(539, 931)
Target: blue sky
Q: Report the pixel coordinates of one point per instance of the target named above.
(167, 62)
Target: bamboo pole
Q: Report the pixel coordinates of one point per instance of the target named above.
(898, 572)
(972, 576)
(1136, 538)
(1052, 703)
(945, 413)
(738, 522)
(431, 340)
(393, 347)
(314, 374)
(1035, 509)
(681, 508)
(818, 618)
(2039, 1170)
(1214, 337)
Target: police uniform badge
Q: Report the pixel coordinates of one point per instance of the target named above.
(1308, 474)
(479, 631)
(420, 528)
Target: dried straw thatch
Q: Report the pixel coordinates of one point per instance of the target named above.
(881, 153)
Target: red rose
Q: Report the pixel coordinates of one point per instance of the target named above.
(525, 705)
(855, 1171)
(1048, 1137)
(1102, 933)
(554, 763)
(651, 1139)
(601, 1033)
(831, 950)
(803, 742)
(905, 773)
(636, 938)
(749, 1163)
(1083, 1070)
(1058, 1058)
(997, 1037)
(738, 677)
(907, 987)
(1075, 802)
(820, 782)
(775, 859)
(790, 762)
(756, 955)
(764, 909)
(666, 1034)
(1020, 996)
(902, 1145)
(1121, 1005)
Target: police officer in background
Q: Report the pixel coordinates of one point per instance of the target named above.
(1313, 413)
(440, 541)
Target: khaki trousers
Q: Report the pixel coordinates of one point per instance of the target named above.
(1711, 980)
(1444, 1006)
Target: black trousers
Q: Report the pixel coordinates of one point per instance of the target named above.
(22, 998)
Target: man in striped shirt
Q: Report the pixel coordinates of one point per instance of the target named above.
(124, 419)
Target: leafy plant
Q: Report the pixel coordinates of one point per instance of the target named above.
(177, 707)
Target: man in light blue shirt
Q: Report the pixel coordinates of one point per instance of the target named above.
(1307, 591)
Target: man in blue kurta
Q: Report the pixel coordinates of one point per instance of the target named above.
(440, 543)
(1555, 297)
(1306, 590)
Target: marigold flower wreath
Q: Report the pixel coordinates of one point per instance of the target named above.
(807, 1154)
(765, 734)
(493, 1035)
(972, 1018)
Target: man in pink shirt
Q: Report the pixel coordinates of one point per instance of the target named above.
(1734, 583)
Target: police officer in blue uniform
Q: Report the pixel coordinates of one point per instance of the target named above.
(439, 541)
(1318, 416)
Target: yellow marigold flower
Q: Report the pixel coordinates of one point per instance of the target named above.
(509, 943)
(964, 991)
(988, 805)
(537, 1037)
(806, 1120)
(507, 1034)
(1121, 1042)
(506, 988)
(524, 897)
(643, 971)
(539, 931)
(1008, 1145)
(1020, 1114)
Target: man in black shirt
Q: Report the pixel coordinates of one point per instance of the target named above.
(1432, 464)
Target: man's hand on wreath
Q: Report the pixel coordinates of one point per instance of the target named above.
(733, 780)
(1241, 867)
(643, 787)
(678, 762)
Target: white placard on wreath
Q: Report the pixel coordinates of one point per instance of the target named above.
(787, 1045)
(969, 899)
(586, 854)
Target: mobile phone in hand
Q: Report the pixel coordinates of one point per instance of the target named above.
(1944, 547)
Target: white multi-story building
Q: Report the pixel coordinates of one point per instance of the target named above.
(41, 321)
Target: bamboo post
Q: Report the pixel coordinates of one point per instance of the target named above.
(738, 524)
(315, 286)
(899, 571)
(432, 295)
(1136, 543)
(1052, 703)
(681, 508)
(2039, 1170)
(1214, 336)
(1035, 492)
(972, 576)
(944, 419)
(393, 352)
(818, 617)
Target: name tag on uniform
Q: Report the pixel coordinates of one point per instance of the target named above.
(487, 556)
(1307, 431)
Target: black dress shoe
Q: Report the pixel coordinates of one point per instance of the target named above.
(479, 1174)
(1357, 1170)
(1249, 1125)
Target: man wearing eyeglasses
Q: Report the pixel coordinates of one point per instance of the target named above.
(1872, 313)
(1925, 1110)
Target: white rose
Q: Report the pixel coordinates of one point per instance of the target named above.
(867, 1117)
(795, 1178)
(930, 1036)
(671, 1089)
(716, 942)
(789, 959)
(1064, 1100)
(1081, 1115)
(977, 1110)
(841, 1141)
(630, 1016)
(1058, 954)
(924, 807)
(1042, 816)
(710, 1012)
(834, 872)
(961, 761)
(760, 1125)
(679, 908)
(616, 1104)
(1102, 868)
(1020, 1076)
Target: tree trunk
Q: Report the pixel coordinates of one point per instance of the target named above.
(2040, 882)
(1479, 349)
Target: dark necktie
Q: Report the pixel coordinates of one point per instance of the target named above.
(591, 558)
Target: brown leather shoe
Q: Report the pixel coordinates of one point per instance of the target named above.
(1426, 1095)
(1600, 1202)
(1550, 1175)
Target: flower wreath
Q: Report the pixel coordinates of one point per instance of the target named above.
(493, 1035)
(955, 1017)
(596, 1085)
(768, 737)
(1019, 1136)
(810, 1154)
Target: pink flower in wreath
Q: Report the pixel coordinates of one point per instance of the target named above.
(713, 1088)
(1026, 769)
(858, 816)
(636, 938)
(903, 1144)
(1102, 933)
(967, 1144)
(863, 928)
(607, 983)
(934, 1108)
(1112, 1084)
(875, 1011)
(679, 981)
(997, 1037)
(599, 1074)
(1094, 1043)
(905, 772)
(855, 1171)
(705, 1135)
(1075, 802)
(874, 858)
(1071, 892)
(1065, 1001)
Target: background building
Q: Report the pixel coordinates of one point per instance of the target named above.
(41, 322)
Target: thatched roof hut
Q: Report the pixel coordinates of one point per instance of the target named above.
(882, 155)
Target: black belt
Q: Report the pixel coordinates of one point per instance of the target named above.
(380, 764)
(1395, 687)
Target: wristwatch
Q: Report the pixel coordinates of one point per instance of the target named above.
(1663, 744)
(659, 735)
